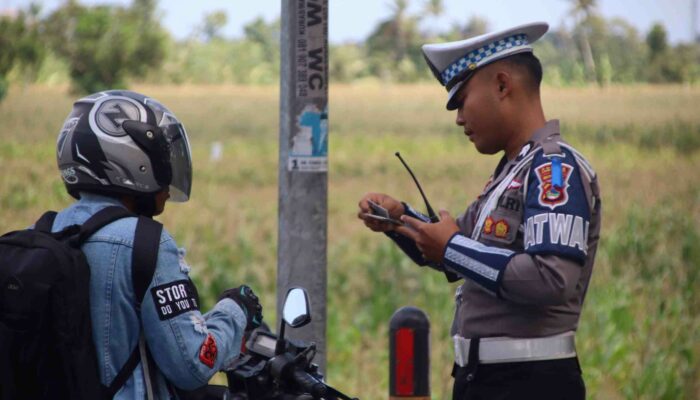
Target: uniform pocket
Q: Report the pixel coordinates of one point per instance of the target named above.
(504, 222)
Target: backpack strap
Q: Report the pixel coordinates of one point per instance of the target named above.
(143, 265)
(123, 375)
(144, 256)
(45, 223)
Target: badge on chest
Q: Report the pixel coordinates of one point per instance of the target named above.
(502, 224)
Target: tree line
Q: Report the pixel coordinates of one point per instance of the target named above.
(106, 46)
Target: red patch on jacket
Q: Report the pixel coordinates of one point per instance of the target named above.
(208, 351)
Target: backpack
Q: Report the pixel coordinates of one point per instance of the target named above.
(46, 345)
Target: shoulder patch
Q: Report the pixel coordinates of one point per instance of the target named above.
(552, 196)
(174, 298)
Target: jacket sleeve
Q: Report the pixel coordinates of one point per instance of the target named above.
(187, 346)
(555, 226)
(540, 279)
(406, 244)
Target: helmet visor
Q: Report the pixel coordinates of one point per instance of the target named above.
(180, 162)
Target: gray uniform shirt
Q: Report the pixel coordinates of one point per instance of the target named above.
(526, 246)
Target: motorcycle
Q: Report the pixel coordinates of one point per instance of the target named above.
(276, 368)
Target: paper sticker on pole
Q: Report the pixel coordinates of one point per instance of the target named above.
(309, 148)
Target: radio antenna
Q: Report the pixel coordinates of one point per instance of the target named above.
(431, 213)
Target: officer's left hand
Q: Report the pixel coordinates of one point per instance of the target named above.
(431, 238)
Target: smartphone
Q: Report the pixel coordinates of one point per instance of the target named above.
(380, 213)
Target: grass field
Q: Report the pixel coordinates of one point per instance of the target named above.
(639, 336)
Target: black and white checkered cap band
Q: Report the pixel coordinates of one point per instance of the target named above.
(483, 55)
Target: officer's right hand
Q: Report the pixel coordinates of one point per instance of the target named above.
(249, 303)
(393, 206)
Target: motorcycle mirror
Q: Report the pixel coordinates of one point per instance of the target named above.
(296, 311)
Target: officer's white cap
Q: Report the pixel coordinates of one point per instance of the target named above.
(453, 63)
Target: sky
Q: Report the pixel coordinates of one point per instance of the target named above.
(353, 20)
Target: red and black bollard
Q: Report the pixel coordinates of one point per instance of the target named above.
(409, 355)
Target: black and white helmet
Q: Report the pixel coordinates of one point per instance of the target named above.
(121, 142)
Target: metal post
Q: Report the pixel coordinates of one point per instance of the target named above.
(409, 355)
(303, 162)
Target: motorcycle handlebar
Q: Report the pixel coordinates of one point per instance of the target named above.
(309, 384)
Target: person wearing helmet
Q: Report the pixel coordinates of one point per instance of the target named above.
(121, 148)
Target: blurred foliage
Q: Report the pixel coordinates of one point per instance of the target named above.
(645, 326)
(105, 45)
(209, 58)
(683, 137)
(21, 46)
(110, 46)
(213, 24)
(583, 12)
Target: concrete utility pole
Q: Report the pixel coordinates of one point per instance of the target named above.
(303, 162)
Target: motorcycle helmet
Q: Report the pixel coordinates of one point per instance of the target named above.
(119, 142)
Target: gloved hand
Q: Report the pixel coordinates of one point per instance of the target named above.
(248, 301)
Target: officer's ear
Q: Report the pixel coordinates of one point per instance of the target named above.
(504, 84)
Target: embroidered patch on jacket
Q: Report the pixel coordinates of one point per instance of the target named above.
(501, 230)
(488, 225)
(551, 196)
(561, 230)
(208, 351)
(174, 298)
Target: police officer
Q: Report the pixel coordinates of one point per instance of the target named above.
(525, 248)
(120, 148)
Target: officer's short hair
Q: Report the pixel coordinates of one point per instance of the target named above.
(530, 64)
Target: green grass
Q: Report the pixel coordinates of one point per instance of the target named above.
(639, 335)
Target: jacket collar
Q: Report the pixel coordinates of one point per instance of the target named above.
(550, 128)
(94, 198)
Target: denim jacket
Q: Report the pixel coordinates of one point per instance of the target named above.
(187, 347)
